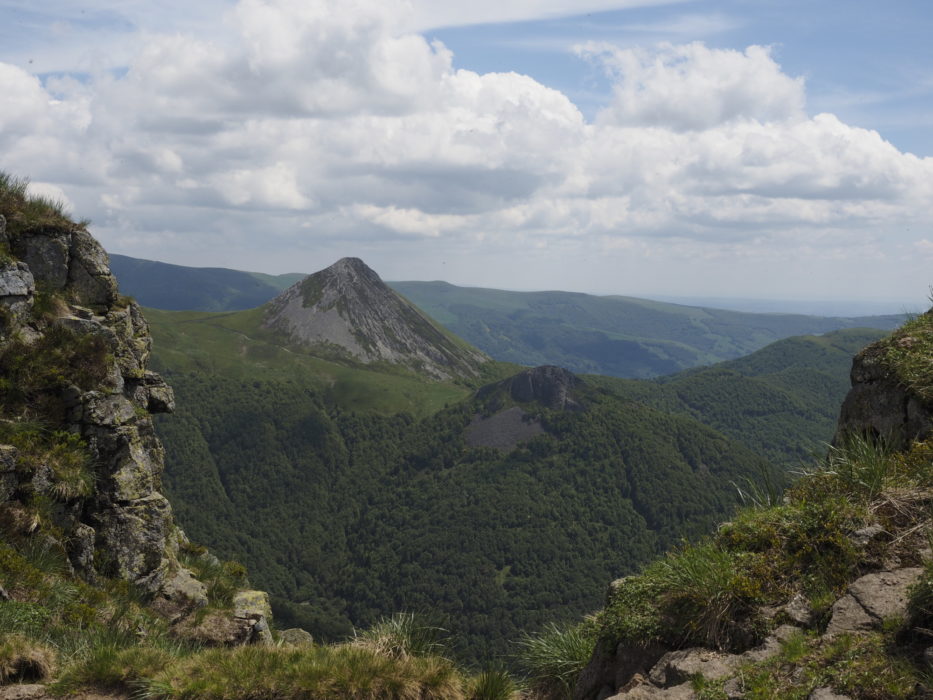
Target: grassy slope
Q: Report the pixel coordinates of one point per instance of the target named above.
(781, 401)
(619, 336)
(233, 345)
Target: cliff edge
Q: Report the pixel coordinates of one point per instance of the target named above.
(80, 463)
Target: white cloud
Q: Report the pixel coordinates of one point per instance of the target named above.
(317, 123)
(694, 87)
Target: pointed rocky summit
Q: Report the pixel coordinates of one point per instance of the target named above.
(347, 311)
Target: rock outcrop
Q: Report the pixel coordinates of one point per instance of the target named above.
(503, 426)
(74, 359)
(880, 403)
(347, 312)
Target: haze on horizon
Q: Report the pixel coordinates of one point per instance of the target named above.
(642, 147)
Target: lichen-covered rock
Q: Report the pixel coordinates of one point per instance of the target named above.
(872, 599)
(89, 277)
(254, 605)
(17, 288)
(47, 252)
(680, 666)
(295, 637)
(180, 594)
(612, 668)
(80, 547)
(132, 538)
(216, 628)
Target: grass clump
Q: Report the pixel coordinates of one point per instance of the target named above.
(402, 635)
(116, 666)
(24, 211)
(493, 684)
(32, 376)
(223, 579)
(554, 657)
(65, 454)
(24, 660)
(700, 594)
(907, 352)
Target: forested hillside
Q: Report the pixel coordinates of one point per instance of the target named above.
(612, 335)
(181, 288)
(782, 401)
(346, 513)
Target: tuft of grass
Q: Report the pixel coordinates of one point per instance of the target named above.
(64, 453)
(705, 589)
(24, 660)
(907, 351)
(223, 579)
(493, 684)
(554, 657)
(920, 602)
(24, 211)
(401, 635)
(116, 666)
(862, 465)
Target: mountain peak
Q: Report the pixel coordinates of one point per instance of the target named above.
(351, 267)
(347, 311)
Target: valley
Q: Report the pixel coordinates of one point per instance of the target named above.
(351, 488)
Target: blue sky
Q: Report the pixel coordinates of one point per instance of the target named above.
(729, 148)
(868, 62)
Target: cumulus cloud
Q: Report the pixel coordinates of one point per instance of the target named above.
(694, 87)
(316, 121)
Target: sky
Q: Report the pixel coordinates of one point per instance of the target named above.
(677, 148)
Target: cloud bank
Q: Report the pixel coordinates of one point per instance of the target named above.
(313, 129)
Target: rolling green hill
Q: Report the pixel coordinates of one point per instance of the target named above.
(351, 492)
(180, 288)
(781, 401)
(613, 335)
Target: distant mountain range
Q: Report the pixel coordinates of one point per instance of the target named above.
(617, 336)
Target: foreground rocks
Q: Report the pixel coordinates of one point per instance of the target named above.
(59, 299)
(634, 673)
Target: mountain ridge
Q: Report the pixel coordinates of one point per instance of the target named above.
(622, 336)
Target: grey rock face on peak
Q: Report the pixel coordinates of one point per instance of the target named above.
(348, 312)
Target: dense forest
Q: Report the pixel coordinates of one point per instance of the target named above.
(345, 516)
